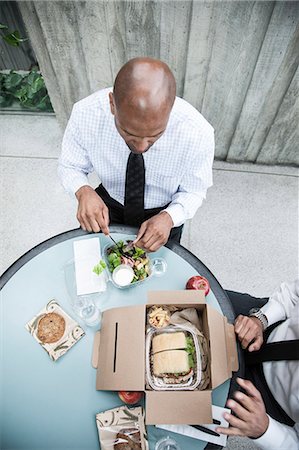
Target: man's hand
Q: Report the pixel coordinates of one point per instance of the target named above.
(92, 212)
(252, 419)
(249, 331)
(154, 232)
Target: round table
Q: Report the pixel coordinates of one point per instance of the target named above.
(50, 405)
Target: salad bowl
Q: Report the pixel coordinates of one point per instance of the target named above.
(142, 265)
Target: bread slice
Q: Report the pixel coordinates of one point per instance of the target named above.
(172, 361)
(168, 341)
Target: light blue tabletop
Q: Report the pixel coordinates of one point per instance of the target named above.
(52, 405)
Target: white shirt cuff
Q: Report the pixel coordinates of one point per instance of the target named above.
(274, 312)
(276, 437)
(176, 212)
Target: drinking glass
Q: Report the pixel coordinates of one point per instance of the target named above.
(86, 307)
(167, 443)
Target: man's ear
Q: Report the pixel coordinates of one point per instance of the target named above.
(112, 104)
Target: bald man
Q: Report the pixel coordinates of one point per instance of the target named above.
(152, 151)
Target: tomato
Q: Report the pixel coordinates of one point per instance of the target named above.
(198, 283)
(130, 397)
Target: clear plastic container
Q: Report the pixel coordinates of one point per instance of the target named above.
(85, 308)
(157, 267)
(167, 443)
(157, 383)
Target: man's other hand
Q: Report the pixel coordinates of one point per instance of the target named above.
(250, 332)
(92, 213)
(251, 418)
(154, 232)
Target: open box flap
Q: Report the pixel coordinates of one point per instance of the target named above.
(219, 357)
(231, 347)
(121, 351)
(175, 297)
(178, 407)
(95, 350)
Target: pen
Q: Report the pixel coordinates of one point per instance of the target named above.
(216, 422)
(205, 430)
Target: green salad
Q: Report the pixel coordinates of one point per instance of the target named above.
(98, 268)
(129, 254)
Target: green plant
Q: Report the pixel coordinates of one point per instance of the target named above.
(12, 38)
(29, 89)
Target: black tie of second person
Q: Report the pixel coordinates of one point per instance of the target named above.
(134, 190)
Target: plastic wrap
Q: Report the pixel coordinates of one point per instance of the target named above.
(122, 429)
(157, 383)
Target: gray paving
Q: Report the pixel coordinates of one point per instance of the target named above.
(246, 231)
(28, 135)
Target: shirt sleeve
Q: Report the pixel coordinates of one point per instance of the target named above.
(279, 436)
(282, 302)
(195, 182)
(74, 164)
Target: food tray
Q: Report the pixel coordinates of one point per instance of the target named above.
(157, 383)
(157, 267)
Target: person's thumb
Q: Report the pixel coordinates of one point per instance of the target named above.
(140, 233)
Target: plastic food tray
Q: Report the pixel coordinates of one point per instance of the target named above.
(157, 383)
(157, 267)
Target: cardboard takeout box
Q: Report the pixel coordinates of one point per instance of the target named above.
(119, 356)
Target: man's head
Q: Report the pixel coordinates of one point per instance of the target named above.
(142, 98)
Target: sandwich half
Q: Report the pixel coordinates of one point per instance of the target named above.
(170, 362)
(169, 341)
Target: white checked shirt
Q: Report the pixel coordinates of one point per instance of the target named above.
(178, 166)
(283, 376)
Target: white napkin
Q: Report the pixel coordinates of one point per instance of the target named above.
(197, 434)
(87, 253)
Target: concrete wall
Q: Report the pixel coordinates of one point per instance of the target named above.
(236, 62)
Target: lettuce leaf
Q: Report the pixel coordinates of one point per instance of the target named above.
(98, 268)
(191, 351)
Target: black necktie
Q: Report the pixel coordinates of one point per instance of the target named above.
(134, 190)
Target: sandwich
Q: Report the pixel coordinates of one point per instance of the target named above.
(173, 357)
(170, 361)
(169, 341)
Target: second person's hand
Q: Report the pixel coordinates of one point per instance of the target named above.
(92, 213)
(250, 332)
(250, 417)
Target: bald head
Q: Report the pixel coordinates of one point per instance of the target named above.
(141, 102)
(145, 84)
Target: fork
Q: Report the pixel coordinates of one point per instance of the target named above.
(124, 253)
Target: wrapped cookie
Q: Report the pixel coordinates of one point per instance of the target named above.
(128, 438)
(50, 328)
(122, 428)
(54, 330)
